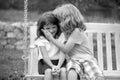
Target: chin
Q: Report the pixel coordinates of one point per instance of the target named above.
(53, 34)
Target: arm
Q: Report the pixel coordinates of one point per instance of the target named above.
(46, 58)
(75, 38)
(56, 70)
(63, 47)
(61, 59)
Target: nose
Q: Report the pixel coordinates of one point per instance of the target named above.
(51, 30)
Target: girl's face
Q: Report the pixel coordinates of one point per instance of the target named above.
(51, 28)
(67, 29)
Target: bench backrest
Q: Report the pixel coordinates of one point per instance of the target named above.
(105, 44)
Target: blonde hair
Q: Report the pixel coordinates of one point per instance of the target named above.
(71, 15)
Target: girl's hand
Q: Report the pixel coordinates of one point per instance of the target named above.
(55, 70)
(47, 34)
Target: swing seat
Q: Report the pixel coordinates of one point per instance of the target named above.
(105, 45)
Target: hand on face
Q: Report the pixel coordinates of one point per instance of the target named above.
(47, 34)
(50, 31)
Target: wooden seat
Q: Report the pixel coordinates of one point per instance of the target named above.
(105, 45)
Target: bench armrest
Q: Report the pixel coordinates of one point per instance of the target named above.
(32, 46)
(32, 49)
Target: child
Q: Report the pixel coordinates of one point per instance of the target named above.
(81, 61)
(52, 60)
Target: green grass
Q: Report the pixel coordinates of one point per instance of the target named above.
(10, 61)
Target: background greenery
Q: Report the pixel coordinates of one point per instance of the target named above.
(93, 10)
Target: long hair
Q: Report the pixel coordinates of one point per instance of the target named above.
(71, 15)
(44, 19)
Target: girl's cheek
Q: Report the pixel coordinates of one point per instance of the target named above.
(62, 24)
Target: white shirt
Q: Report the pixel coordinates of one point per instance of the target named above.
(50, 47)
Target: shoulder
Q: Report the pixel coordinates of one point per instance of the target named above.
(77, 33)
(41, 41)
(61, 37)
(78, 36)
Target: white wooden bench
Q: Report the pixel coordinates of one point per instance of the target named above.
(105, 44)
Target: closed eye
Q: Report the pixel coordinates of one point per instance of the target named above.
(47, 28)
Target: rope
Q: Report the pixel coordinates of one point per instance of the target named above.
(25, 34)
(25, 20)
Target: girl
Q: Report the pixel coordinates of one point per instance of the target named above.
(81, 61)
(52, 60)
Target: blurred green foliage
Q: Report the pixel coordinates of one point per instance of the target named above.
(44, 5)
(102, 8)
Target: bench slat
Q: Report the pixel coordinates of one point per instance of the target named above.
(102, 27)
(32, 34)
(34, 62)
(90, 36)
(108, 52)
(117, 49)
(100, 50)
(112, 73)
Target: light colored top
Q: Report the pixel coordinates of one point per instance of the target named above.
(81, 49)
(53, 51)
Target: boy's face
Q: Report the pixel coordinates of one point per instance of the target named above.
(51, 28)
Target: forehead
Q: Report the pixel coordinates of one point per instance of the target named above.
(50, 26)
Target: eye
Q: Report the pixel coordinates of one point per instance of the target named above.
(47, 28)
(54, 26)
